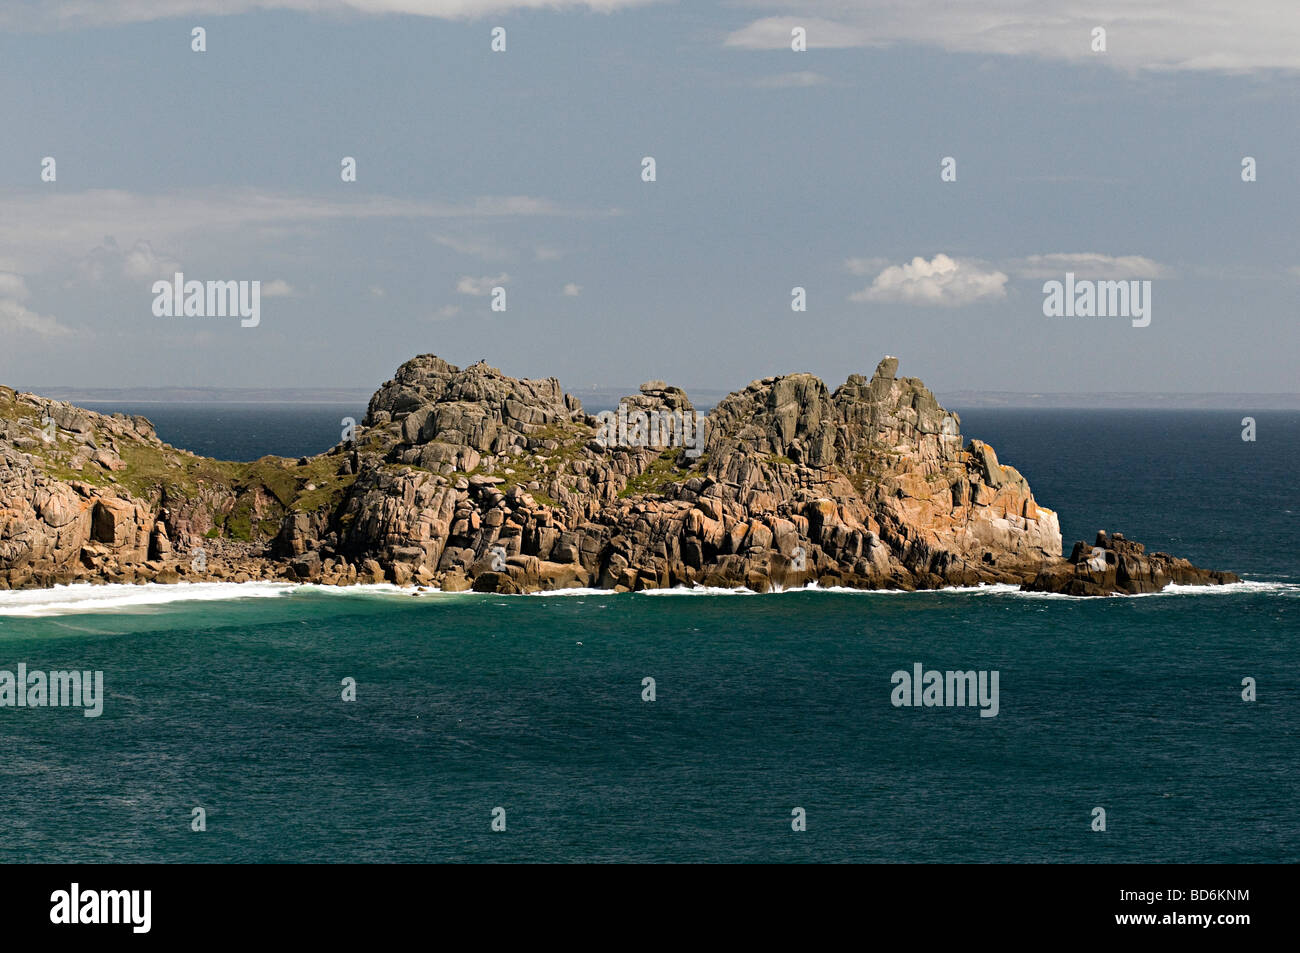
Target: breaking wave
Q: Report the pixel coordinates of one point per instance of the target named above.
(84, 597)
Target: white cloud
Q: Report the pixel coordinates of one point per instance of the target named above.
(942, 281)
(572, 290)
(1087, 265)
(51, 14)
(949, 281)
(17, 318)
(142, 262)
(774, 33)
(107, 261)
(39, 231)
(278, 288)
(521, 205)
(445, 312)
(377, 291)
(545, 253)
(478, 287)
(12, 286)
(790, 80)
(477, 249)
(1210, 35)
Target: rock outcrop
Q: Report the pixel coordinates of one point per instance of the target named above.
(1114, 564)
(466, 478)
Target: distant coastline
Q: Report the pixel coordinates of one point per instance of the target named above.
(1121, 401)
(703, 398)
(207, 395)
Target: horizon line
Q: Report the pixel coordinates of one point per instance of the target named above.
(972, 398)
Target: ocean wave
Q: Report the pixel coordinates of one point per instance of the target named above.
(1289, 589)
(367, 589)
(983, 589)
(1257, 587)
(699, 591)
(84, 597)
(578, 591)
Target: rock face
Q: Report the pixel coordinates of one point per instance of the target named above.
(467, 478)
(88, 497)
(1115, 564)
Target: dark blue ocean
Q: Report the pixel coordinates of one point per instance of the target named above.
(763, 704)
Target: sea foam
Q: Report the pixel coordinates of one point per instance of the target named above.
(84, 597)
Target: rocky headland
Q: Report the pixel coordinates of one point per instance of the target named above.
(464, 478)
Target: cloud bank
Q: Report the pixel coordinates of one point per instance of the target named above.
(1208, 35)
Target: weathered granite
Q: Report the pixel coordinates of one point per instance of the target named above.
(466, 478)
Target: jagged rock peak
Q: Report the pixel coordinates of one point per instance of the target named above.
(658, 394)
(428, 379)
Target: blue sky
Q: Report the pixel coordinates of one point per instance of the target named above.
(775, 169)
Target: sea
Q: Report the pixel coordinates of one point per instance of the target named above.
(286, 723)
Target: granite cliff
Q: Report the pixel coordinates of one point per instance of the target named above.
(466, 478)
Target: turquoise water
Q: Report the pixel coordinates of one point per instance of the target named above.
(763, 703)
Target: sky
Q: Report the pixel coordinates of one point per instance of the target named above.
(775, 169)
